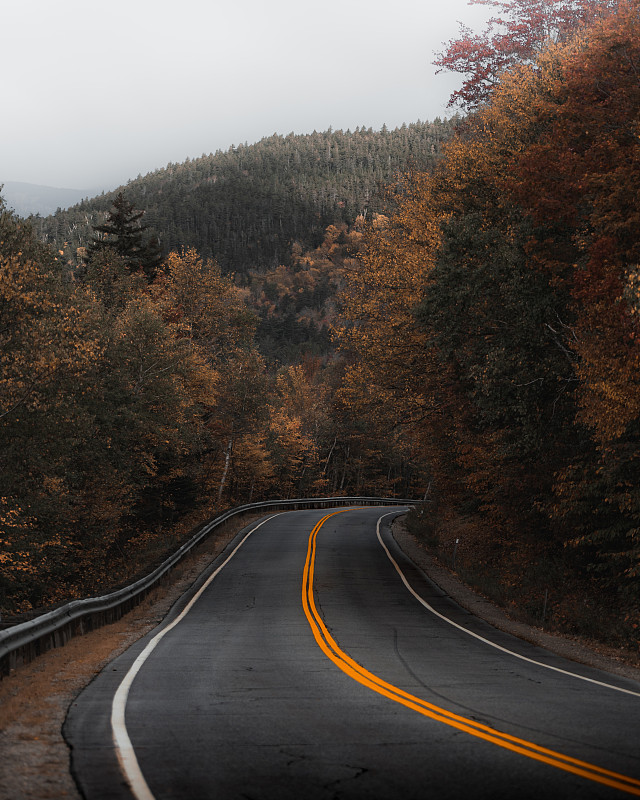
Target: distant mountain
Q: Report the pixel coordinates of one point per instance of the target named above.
(29, 198)
(248, 206)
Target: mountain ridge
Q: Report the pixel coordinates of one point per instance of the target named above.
(33, 198)
(247, 206)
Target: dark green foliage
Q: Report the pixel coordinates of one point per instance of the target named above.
(123, 232)
(17, 237)
(500, 325)
(246, 206)
(498, 319)
(285, 339)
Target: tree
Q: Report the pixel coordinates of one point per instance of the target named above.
(108, 276)
(247, 205)
(123, 232)
(48, 346)
(208, 312)
(206, 305)
(589, 144)
(376, 329)
(522, 29)
(297, 428)
(524, 362)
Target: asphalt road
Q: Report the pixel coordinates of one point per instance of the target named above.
(306, 668)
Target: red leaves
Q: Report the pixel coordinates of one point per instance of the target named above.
(516, 36)
(599, 280)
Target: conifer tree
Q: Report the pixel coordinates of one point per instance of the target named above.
(123, 232)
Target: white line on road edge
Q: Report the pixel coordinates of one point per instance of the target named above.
(481, 638)
(124, 749)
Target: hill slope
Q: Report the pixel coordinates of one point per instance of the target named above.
(248, 205)
(31, 198)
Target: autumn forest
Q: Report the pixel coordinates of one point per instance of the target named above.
(449, 312)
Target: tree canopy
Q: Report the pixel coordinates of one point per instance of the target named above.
(518, 33)
(517, 345)
(247, 206)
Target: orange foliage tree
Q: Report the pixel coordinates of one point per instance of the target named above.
(507, 282)
(517, 34)
(586, 170)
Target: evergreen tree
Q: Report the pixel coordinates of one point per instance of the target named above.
(123, 232)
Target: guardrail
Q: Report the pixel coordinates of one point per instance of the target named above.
(22, 643)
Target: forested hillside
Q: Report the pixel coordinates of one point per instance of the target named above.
(135, 393)
(246, 207)
(134, 403)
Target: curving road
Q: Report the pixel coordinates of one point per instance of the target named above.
(314, 660)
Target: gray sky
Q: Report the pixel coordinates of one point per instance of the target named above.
(96, 93)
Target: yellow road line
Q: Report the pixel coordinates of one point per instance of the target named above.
(331, 649)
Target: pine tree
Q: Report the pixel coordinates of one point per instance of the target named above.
(123, 232)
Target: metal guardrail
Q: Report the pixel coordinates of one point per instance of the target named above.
(22, 643)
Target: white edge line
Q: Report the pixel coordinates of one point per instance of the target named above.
(481, 638)
(124, 749)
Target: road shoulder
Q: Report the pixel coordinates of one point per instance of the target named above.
(34, 699)
(613, 660)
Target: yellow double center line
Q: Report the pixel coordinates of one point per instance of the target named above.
(354, 670)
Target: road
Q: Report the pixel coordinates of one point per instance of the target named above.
(314, 660)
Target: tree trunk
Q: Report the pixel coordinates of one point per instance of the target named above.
(225, 471)
(344, 468)
(326, 465)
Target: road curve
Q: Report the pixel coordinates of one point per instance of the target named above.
(314, 660)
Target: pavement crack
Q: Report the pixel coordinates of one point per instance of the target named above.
(405, 663)
(333, 786)
(294, 758)
(471, 711)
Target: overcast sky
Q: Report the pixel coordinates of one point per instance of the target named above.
(96, 93)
